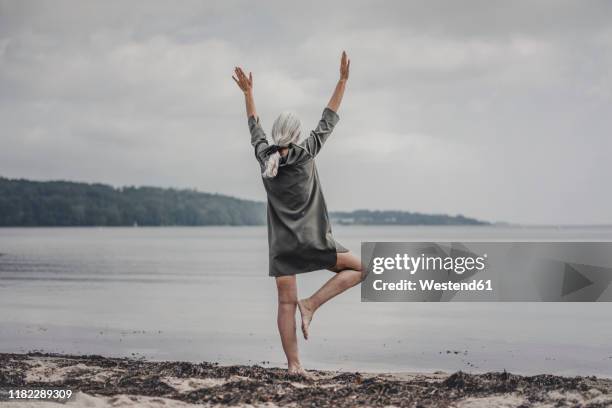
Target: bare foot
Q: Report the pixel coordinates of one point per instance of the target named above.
(298, 370)
(306, 311)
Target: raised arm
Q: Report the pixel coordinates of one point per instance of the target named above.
(336, 98)
(258, 136)
(246, 86)
(314, 142)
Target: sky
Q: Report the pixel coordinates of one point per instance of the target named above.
(496, 110)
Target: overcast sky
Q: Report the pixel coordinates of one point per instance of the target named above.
(497, 110)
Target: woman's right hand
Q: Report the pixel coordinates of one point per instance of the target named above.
(336, 98)
(245, 83)
(345, 65)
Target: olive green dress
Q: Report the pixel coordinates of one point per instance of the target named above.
(299, 232)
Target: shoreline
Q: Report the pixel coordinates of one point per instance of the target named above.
(123, 382)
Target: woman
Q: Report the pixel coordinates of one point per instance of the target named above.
(299, 232)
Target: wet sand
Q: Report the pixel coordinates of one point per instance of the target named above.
(120, 382)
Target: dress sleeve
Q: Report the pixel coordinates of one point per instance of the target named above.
(258, 138)
(317, 138)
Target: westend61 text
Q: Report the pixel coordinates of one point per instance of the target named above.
(429, 284)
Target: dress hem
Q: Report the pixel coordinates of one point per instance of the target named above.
(313, 270)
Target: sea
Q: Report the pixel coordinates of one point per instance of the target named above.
(204, 294)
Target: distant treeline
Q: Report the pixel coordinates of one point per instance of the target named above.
(367, 217)
(63, 203)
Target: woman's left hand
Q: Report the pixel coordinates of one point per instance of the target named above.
(245, 83)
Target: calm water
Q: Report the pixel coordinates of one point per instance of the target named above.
(204, 294)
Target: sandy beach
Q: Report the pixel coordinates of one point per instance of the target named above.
(121, 382)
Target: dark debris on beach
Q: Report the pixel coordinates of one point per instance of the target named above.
(257, 385)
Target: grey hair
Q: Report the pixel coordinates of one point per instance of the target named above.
(286, 129)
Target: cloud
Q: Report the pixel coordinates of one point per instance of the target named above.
(499, 111)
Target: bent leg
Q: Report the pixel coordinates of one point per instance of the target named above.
(349, 274)
(287, 302)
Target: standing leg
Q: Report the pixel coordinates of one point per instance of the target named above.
(349, 274)
(287, 303)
